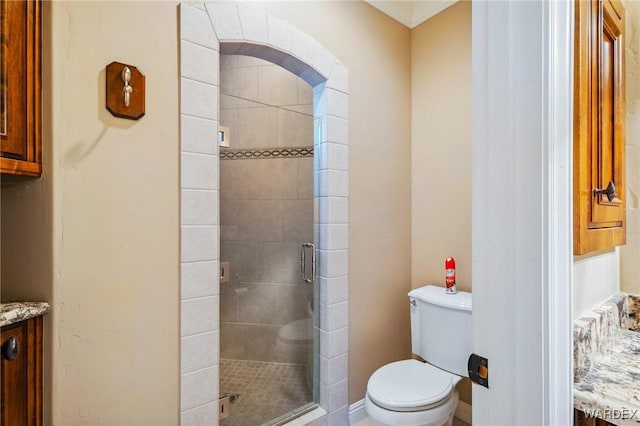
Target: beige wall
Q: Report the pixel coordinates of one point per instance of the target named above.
(97, 236)
(441, 131)
(629, 254)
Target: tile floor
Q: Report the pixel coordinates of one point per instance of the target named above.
(267, 390)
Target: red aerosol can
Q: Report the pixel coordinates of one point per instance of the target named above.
(450, 275)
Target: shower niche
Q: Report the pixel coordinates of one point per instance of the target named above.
(267, 337)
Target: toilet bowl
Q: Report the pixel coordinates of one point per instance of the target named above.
(296, 338)
(415, 393)
(412, 393)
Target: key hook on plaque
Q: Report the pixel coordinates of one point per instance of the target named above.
(122, 100)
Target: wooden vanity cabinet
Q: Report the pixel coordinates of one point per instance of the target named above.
(20, 87)
(599, 126)
(21, 374)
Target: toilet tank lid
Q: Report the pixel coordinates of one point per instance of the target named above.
(438, 296)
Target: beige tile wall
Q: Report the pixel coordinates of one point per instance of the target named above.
(266, 208)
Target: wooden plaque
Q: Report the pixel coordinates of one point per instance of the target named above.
(118, 89)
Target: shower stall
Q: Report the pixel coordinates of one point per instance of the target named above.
(268, 371)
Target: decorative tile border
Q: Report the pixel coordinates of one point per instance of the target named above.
(255, 154)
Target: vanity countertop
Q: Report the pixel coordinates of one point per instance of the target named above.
(613, 381)
(12, 312)
(607, 363)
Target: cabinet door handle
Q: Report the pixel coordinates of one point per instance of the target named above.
(10, 349)
(609, 191)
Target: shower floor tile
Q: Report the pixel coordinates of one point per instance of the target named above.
(267, 390)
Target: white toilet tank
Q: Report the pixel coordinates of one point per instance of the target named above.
(441, 327)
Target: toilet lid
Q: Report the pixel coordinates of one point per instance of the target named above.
(409, 385)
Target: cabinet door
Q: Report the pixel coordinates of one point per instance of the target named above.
(21, 376)
(13, 102)
(20, 87)
(599, 140)
(15, 378)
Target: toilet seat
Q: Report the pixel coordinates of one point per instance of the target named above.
(298, 331)
(436, 416)
(410, 385)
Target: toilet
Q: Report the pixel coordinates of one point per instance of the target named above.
(296, 337)
(415, 393)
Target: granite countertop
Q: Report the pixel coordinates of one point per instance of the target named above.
(607, 362)
(12, 312)
(613, 382)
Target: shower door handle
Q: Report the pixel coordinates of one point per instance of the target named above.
(303, 261)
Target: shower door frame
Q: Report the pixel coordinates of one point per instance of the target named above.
(206, 31)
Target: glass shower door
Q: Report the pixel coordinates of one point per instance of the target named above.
(267, 341)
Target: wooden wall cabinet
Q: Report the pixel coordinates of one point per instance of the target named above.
(20, 86)
(599, 126)
(21, 374)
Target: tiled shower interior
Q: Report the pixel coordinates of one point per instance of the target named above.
(266, 213)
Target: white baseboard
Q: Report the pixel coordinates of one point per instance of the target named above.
(463, 412)
(357, 413)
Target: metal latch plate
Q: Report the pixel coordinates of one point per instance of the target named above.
(478, 368)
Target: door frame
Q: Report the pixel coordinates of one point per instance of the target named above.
(521, 210)
(206, 31)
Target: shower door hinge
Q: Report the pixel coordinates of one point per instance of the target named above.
(224, 404)
(224, 407)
